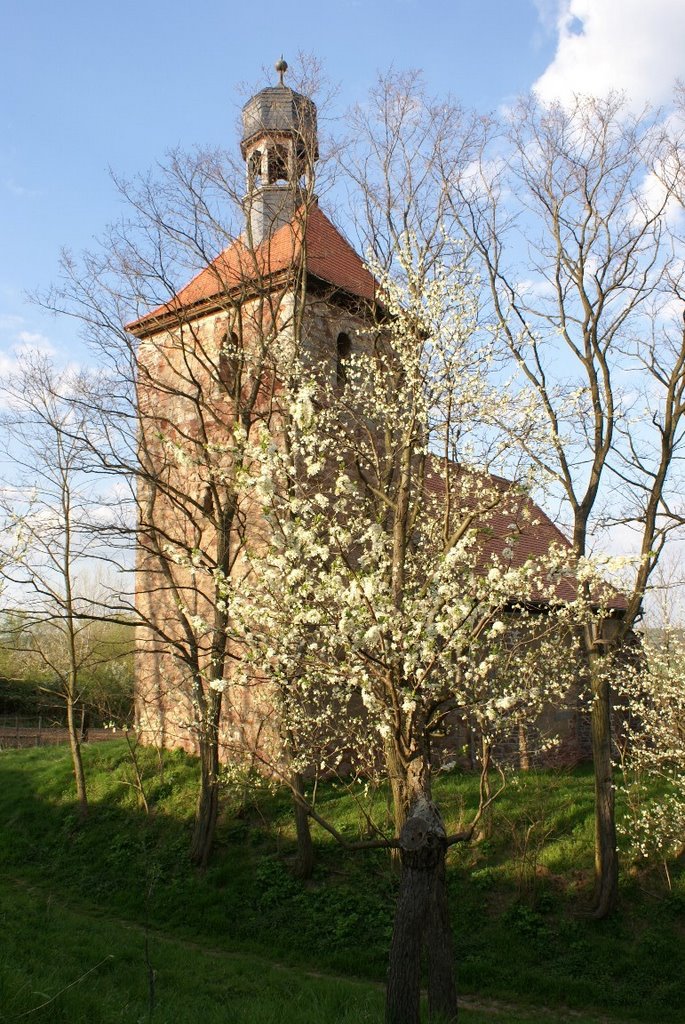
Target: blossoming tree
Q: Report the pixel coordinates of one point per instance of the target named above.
(383, 604)
(651, 761)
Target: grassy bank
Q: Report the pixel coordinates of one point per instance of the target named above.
(75, 894)
(68, 965)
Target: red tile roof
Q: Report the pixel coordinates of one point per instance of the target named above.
(515, 529)
(328, 257)
(332, 259)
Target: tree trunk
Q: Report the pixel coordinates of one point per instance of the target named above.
(304, 865)
(207, 808)
(524, 753)
(485, 824)
(398, 789)
(398, 785)
(422, 919)
(442, 986)
(606, 854)
(77, 760)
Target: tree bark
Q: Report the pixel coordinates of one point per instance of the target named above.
(442, 985)
(77, 759)
(304, 864)
(422, 920)
(398, 789)
(207, 808)
(524, 753)
(606, 854)
(404, 968)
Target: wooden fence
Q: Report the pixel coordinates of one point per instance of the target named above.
(17, 732)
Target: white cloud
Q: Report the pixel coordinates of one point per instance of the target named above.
(670, 312)
(656, 193)
(22, 345)
(635, 46)
(21, 191)
(33, 341)
(10, 322)
(536, 288)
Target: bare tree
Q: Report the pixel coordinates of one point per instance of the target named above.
(59, 513)
(577, 255)
(189, 377)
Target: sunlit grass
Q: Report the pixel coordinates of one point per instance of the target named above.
(519, 900)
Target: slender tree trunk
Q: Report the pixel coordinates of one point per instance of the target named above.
(422, 920)
(304, 864)
(72, 679)
(207, 808)
(606, 854)
(77, 760)
(524, 753)
(398, 790)
(485, 824)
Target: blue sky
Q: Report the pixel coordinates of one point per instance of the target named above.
(85, 87)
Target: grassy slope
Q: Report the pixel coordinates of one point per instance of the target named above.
(72, 888)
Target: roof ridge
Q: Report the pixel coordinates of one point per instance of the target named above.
(330, 258)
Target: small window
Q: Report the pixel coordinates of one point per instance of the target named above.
(343, 350)
(207, 500)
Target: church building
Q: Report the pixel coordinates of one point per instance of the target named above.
(208, 376)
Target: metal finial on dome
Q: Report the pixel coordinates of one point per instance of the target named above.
(281, 66)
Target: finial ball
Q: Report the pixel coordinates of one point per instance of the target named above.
(281, 66)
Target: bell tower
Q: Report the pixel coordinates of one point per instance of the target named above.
(196, 351)
(279, 146)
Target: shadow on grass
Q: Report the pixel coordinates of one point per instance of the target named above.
(121, 863)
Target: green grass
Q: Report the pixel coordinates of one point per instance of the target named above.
(106, 964)
(78, 894)
(68, 965)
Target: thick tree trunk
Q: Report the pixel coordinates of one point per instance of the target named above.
(404, 968)
(442, 986)
(77, 760)
(606, 854)
(304, 864)
(422, 919)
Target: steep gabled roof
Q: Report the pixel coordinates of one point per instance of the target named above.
(333, 260)
(515, 529)
(329, 258)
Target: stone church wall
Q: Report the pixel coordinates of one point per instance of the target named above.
(177, 366)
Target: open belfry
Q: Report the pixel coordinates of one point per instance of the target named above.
(208, 375)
